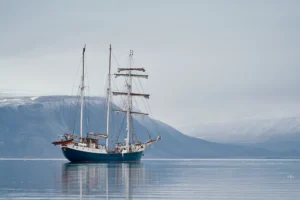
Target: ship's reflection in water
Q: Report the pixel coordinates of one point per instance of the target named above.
(103, 180)
(151, 179)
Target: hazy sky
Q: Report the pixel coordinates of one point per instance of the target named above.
(208, 61)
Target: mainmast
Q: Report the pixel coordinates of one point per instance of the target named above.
(127, 72)
(82, 93)
(129, 100)
(108, 98)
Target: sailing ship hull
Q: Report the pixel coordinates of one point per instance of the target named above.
(74, 155)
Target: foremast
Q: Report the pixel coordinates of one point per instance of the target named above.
(127, 72)
(82, 94)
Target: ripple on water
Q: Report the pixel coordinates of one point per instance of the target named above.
(151, 179)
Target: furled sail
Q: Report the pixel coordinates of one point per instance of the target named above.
(131, 69)
(132, 94)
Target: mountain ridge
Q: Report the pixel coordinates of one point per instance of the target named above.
(29, 124)
(281, 134)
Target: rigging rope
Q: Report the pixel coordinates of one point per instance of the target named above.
(87, 104)
(76, 110)
(123, 104)
(73, 85)
(119, 132)
(148, 107)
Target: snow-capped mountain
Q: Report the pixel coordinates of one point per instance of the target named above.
(28, 125)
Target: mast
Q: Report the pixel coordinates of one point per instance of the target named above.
(129, 101)
(127, 73)
(82, 93)
(108, 98)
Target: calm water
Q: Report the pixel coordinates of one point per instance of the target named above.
(151, 179)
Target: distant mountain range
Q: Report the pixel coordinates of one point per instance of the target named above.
(272, 134)
(28, 125)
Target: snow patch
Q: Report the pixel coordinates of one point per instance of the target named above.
(33, 98)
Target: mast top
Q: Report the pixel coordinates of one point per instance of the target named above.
(83, 51)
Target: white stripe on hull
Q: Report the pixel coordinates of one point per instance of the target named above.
(86, 149)
(101, 150)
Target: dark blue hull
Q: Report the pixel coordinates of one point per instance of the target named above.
(81, 156)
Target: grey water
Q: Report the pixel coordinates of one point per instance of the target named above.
(151, 179)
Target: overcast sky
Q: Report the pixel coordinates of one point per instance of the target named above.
(208, 61)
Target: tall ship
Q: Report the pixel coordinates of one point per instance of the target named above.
(89, 149)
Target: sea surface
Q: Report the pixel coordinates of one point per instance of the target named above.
(151, 179)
